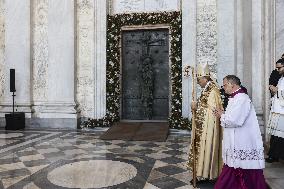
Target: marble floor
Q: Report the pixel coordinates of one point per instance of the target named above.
(61, 159)
(57, 159)
(274, 174)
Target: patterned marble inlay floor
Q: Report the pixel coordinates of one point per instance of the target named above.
(51, 159)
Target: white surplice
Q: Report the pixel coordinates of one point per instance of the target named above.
(242, 145)
(276, 120)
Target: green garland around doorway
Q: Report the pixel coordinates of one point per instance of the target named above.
(115, 23)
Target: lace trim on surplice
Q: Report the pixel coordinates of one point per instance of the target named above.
(247, 154)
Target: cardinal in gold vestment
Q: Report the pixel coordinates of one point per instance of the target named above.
(208, 132)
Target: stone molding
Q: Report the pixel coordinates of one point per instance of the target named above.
(57, 110)
(143, 6)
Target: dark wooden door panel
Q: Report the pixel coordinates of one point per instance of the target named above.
(145, 74)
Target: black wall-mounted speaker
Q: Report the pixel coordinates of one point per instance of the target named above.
(12, 80)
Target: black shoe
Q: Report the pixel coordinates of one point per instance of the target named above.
(199, 181)
(271, 160)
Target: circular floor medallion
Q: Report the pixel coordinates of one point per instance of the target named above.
(92, 174)
(11, 135)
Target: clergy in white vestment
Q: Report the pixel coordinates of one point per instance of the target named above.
(276, 121)
(242, 146)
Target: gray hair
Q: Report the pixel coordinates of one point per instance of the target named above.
(233, 79)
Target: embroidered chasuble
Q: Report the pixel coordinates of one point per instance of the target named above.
(208, 135)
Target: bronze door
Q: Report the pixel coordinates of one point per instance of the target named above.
(145, 74)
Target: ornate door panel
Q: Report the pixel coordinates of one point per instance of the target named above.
(145, 74)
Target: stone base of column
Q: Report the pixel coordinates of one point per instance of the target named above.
(53, 115)
(53, 123)
(54, 110)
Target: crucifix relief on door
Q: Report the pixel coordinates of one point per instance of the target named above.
(145, 74)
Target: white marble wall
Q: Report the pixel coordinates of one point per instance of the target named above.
(241, 47)
(53, 59)
(188, 51)
(130, 6)
(61, 51)
(61, 59)
(2, 51)
(240, 36)
(257, 56)
(199, 41)
(246, 45)
(38, 41)
(17, 53)
(226, 39)
(279, 26)
(53, 69)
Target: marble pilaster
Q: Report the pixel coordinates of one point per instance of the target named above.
(257, 56)
(53, 61)
(40, 57)
(2, 51)
(100, 58)
(279, 26)
(85, 58)
(226, 39)
(247, 45)
(188, 51)
(61, 44)
(239, 39)
(269, 59)
(207, 33)
(16, 54)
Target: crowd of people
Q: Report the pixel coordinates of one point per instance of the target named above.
(227, 148)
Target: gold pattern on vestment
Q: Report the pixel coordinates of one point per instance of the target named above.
(208, 135)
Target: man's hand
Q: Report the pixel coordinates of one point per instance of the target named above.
(273, 89)
(218, 112)
(194, 106)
